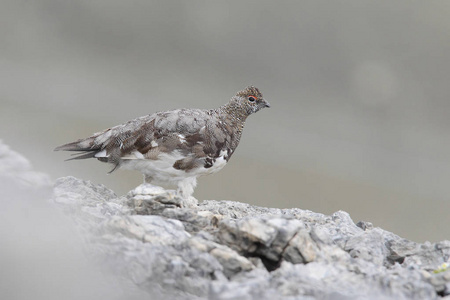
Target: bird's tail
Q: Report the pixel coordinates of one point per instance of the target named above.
(86, 148)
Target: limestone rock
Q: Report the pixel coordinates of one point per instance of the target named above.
(232, 250)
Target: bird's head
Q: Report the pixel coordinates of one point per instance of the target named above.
(249, 100)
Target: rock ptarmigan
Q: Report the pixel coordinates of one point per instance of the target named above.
(174, 147)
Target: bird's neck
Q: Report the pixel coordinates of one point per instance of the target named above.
(233, 122)
(232, 113)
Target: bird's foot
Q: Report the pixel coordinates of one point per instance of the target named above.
(151, 199)
(188, 202)
(185, 191)
(147, 189)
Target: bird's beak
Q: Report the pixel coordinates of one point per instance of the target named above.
(261, 105)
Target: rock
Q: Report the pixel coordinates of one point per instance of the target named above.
(15, 166)
(268, 238)
(170, 248)
(301, 249)
(42, 252)
(230, 262)
(151, 229)
(232, 250)
(368, 245)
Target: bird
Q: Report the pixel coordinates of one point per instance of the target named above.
(176, 146)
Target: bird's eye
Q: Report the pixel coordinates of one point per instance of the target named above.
(251, 99)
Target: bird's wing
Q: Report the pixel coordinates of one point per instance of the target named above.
(193, 133)
(165, 132)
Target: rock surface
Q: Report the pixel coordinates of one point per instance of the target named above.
(231, 250)
(41, 251)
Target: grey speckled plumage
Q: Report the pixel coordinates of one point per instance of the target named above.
(174, 146)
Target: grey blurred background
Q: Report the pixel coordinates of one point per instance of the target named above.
(359, 93)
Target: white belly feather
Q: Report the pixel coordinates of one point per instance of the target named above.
(162, 170)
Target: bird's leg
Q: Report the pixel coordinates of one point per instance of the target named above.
(185, 191)
(186, 187)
